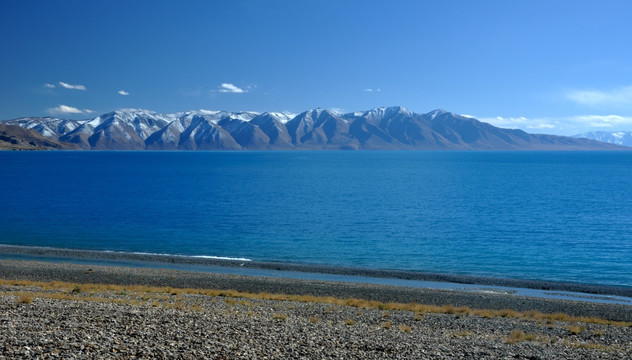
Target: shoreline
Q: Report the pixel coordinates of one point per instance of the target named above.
(294, 270)
(129, 276)
(66, 310)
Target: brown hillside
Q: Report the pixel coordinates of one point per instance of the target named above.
(13, 137)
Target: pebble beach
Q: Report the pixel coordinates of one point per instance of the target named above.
(51, 310)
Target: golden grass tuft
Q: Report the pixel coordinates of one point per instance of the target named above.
(281, 317)
(515, 336)
(349, 322)
(230, 301)
(576, 329)
(386, 325)
(404, 328)
(24, 298)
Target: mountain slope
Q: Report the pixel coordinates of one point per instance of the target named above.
(615, 137)
(13, 137)
(391, 128)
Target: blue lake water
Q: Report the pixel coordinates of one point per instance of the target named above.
(561, 216)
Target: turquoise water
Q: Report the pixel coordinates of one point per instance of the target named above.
(562, 216)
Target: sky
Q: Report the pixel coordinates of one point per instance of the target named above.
(557, 67)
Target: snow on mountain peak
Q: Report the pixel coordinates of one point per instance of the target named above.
(209, 112)
(282, 117)
(612, 137)
(392, 127)
(433, 114)
(243, 116)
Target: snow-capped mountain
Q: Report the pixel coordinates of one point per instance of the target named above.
(47, 126)
(391, 128)
(616, 137)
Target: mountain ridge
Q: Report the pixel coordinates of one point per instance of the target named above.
(14, 137)
(382, 128)
(623, 138)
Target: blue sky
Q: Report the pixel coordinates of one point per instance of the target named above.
(559, 67)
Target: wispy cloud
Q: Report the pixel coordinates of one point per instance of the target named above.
(507, 122)
(71, 86)
(49, 86)
(541, 126)
(65, 109)
(230, 88)
(123, 92)
(372, 90)
(567, 125)
(603, 120)
(618, 96)
(525, 123)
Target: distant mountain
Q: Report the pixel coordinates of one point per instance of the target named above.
(616, 137)
(391, 128)
(14, 137)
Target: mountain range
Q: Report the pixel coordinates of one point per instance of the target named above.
(391, 128)
(611, 137)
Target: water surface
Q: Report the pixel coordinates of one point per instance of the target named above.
(561, 216)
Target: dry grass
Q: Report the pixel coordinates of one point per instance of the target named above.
(87, 292)
(386, 325)
(24, 298)
(404, 328)
(515, 336)
(575, 329)
(464, 333)
(349, 322)
(591, 346)
(230, 301)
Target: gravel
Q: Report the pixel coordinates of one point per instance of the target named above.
(176, 325)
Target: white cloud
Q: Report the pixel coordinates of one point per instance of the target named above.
(520, 122)
(563, 125)
(123, 92)
(603, 120)
(510, 122)
(372, 90)
(541, 126)
(619, 96)
(230, 88)
(49, 86)
(71, 86)
(65, 109)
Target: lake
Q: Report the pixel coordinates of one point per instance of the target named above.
(560, 216)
